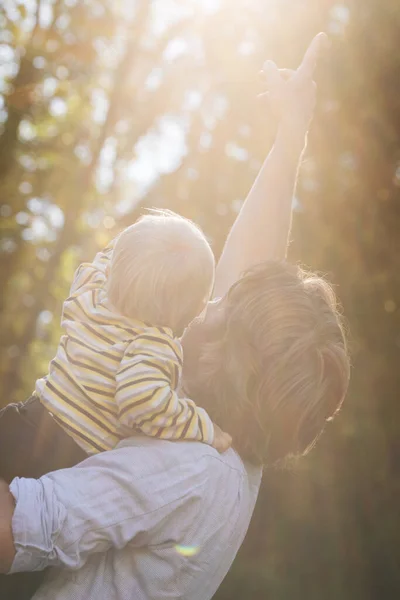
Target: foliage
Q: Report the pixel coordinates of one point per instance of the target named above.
(109, 106)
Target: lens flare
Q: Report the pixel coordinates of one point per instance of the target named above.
(186, 550)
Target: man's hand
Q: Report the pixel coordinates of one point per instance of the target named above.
(261, 230)
(222, 441)
(7, 548)
(292, 94)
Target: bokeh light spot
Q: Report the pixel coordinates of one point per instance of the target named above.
(390, 306)
(108, 222)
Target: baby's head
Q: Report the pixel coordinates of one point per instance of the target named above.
(162, 271)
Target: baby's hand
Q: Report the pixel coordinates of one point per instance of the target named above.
(222, 441)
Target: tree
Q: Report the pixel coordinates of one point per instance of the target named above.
(106, 111)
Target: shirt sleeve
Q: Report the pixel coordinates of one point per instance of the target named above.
(108, 501)
(146, 392)
(93, 273)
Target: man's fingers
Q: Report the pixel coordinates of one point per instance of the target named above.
(310, 57)
(272, 77)
(265, 96)
(284, 73)
(225, 442)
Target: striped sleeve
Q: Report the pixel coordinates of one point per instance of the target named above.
(145, 393)
(94, 272)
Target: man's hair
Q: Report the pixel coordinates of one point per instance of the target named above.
(274, 365)
(162, 271)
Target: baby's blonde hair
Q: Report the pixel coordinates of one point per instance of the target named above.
(162, 271)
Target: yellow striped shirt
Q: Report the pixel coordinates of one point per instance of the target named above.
(113, 375)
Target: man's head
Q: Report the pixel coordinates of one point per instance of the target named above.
(162, 271)
(269, 362)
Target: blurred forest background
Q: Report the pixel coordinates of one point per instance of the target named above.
(109, 106)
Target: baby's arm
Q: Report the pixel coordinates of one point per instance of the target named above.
(146, 396)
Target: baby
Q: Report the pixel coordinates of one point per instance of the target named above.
(118, 366)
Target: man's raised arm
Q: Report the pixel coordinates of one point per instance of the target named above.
(262, 228)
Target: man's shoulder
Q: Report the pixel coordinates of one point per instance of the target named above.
(165, 472)
(187, 460)
(170, 453)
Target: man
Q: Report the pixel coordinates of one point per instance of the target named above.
(156, 519)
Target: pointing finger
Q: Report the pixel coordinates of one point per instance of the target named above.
(311, 55)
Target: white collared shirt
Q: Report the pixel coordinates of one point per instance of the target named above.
(152, 519)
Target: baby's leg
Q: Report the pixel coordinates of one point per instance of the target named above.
(32, 443)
